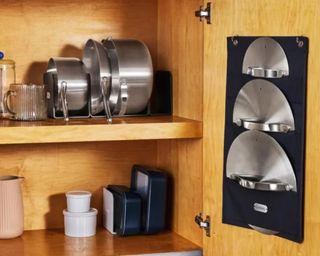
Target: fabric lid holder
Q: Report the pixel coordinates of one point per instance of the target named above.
(247, 202)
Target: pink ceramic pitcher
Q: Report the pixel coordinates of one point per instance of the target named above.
(11, 207)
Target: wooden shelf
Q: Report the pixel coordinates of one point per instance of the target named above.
(85, 130)
(54, 242)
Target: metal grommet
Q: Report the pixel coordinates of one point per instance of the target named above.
(234, 41)
(299, 42)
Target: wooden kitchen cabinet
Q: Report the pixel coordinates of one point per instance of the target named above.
(55, 157)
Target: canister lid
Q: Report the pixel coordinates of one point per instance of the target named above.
(78, 194)
(91, 212)
(5, 62)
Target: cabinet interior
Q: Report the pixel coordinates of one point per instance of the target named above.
(35, 30)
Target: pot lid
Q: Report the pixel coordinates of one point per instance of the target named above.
(265, 58)
(257, 154)
(262, 104)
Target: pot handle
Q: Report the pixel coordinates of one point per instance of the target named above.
(123, 97)
(5, 102)
(63, 99)
(105, 90)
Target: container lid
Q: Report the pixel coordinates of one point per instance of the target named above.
(91, 212)
(78, 194)
(5, 62)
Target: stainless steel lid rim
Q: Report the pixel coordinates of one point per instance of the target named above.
(257, 183)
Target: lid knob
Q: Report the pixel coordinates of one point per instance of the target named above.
(1, 55)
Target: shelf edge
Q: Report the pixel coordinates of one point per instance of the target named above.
(89, 133)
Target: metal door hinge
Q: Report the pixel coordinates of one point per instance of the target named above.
(204, 224)
(204, 13)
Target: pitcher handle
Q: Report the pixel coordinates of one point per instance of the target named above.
(5, 102)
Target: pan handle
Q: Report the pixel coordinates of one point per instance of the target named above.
(64, 102)
(254, 182)
(123, 97)
(265, 72)
(266, 127)
(105, 90)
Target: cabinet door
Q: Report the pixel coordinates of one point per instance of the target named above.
(257, 18)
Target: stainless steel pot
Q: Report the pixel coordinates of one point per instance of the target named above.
(131, 79)
(69, 84)
(121, 79)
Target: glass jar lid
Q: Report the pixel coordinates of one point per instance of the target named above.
(7, 63)
(3, 62)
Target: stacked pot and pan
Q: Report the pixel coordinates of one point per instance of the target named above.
(114, 78)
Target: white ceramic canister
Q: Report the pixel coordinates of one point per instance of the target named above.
(11, 207)
(80, 224)
(78, 201)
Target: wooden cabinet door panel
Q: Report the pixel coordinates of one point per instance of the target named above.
(257, 18)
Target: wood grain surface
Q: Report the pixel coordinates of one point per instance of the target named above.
(85, 130)
(258, 18)
(37, 30)
(180, 50)
(50, 170)
(32, 31)
(53, 242)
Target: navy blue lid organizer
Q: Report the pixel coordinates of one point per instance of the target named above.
(285, 208)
